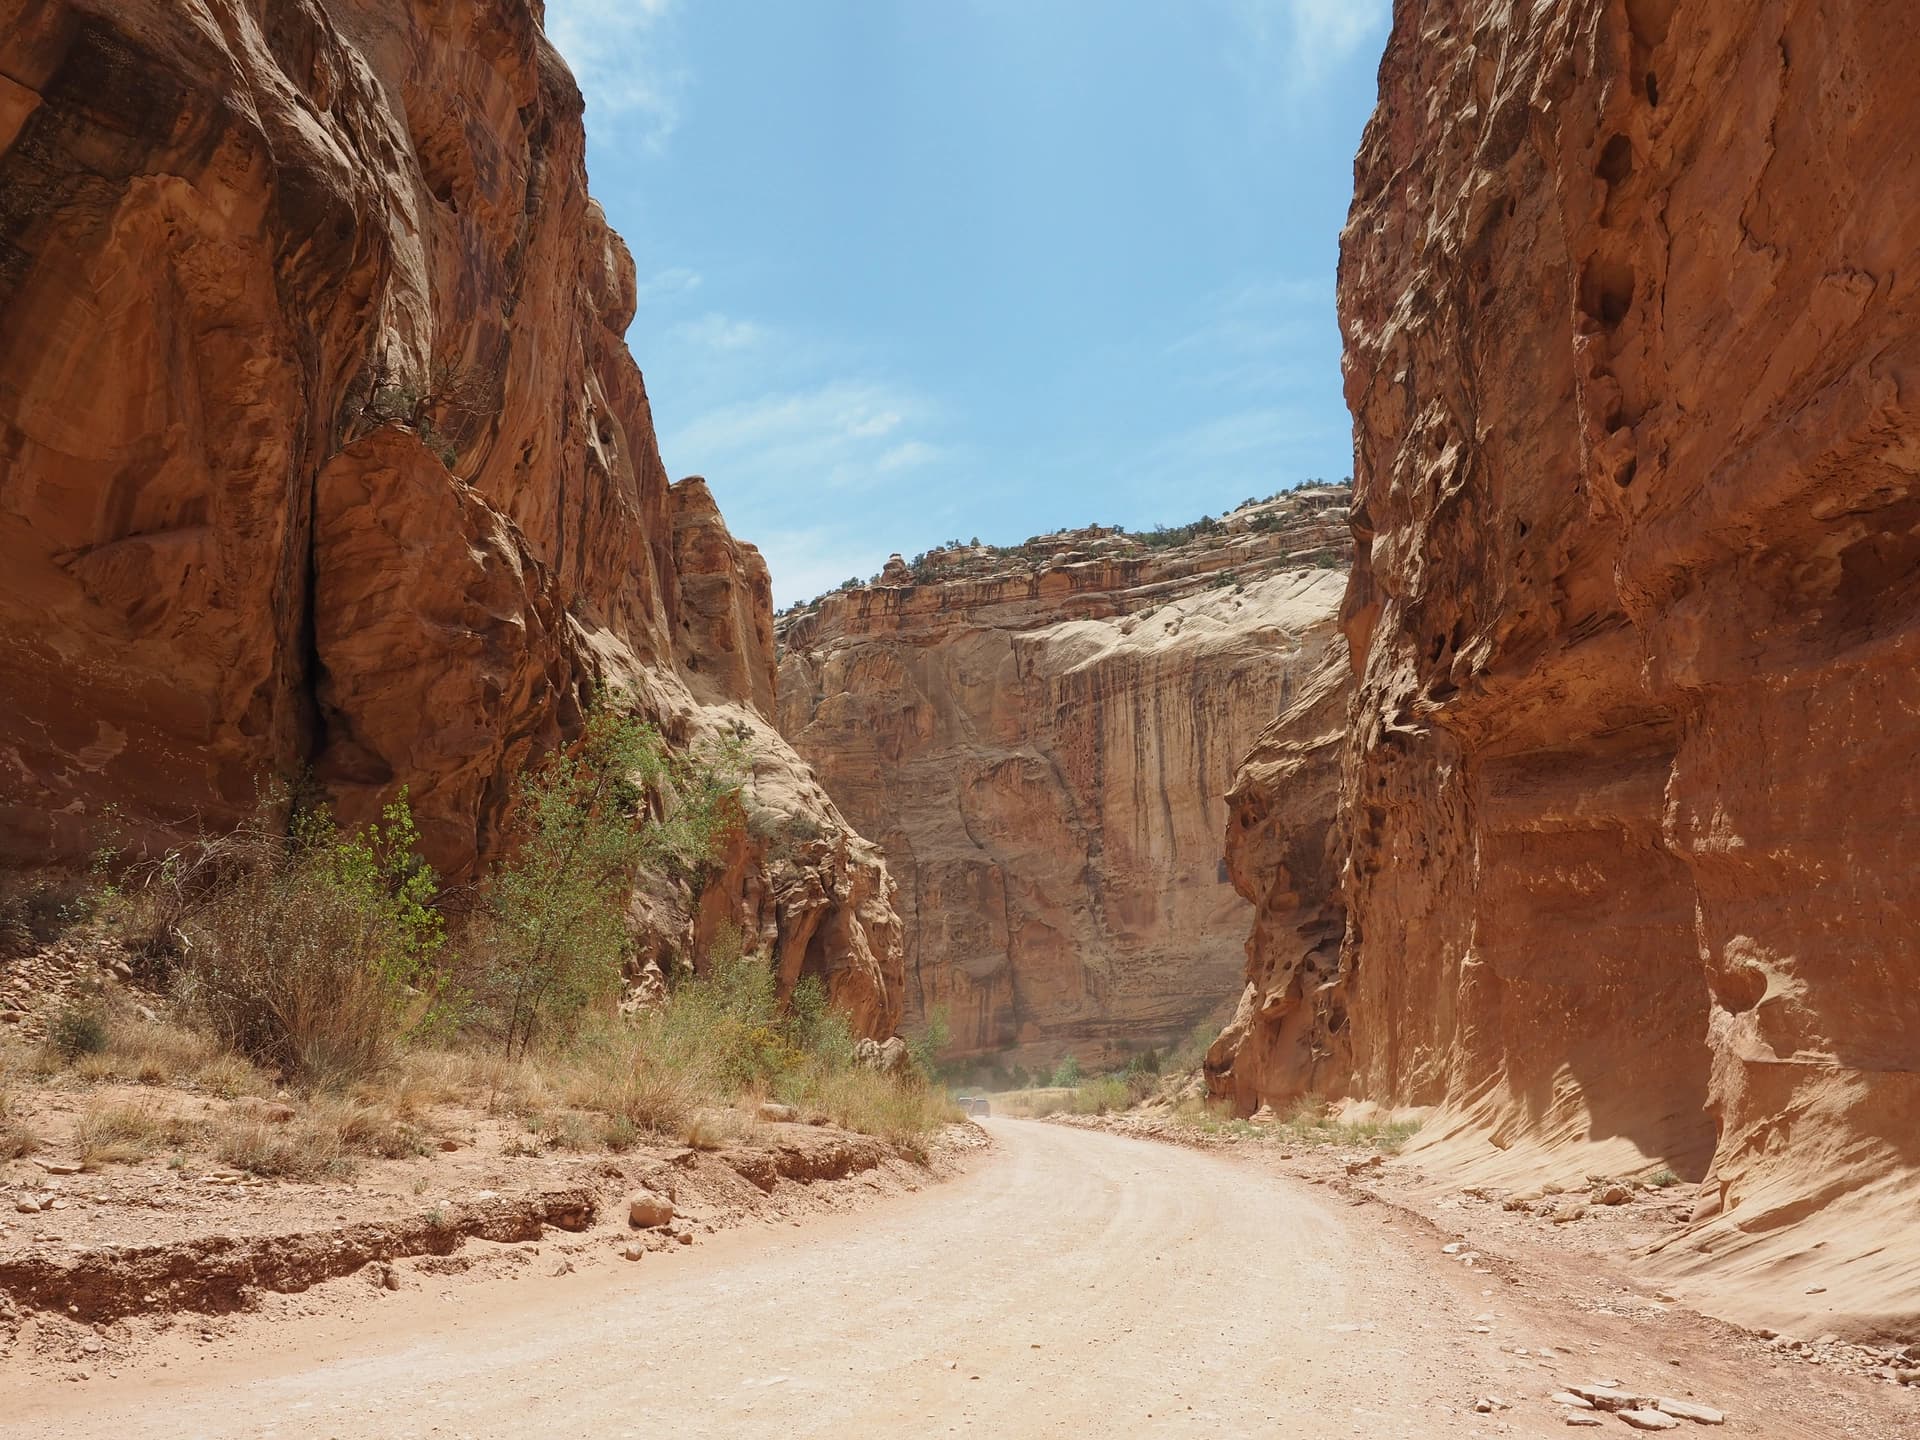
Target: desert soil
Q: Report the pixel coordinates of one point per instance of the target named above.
(1069, 1282)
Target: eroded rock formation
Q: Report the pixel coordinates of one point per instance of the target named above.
(320, 445)
(1039, 740)
(1285, 1036)
(1630, 817)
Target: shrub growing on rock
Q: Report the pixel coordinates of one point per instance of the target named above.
(552, 934)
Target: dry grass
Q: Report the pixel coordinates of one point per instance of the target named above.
(119, 1132)
(140, 1052)
(17, 1138)
(609, 1071)
(323, 1139)
(261, 1147)
(903, 1113)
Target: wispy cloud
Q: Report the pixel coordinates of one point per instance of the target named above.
(623, 54)
(714, 331)
(669, 284)
(910, 456)
(842, 433)
(1305, 41)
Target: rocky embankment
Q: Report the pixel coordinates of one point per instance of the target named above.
(1039, 738)
(1629, 821)
(321, 449)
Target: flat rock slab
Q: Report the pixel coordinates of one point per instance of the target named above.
(1649, 1420)
(1689, 1410)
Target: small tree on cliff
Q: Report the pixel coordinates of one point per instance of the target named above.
(588, 820)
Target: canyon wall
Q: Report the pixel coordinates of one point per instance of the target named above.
(1038, 738)
(1282, 855)
(1630, 816)
(320, 447)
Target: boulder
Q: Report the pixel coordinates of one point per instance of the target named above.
(648, 1211)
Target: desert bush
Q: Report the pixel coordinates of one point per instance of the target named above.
(1066, 1075)
(552, 934)
(316, 953)
(725, 1037)
(1098, 1097)
(78, 1030)
(1311, 1120)
(900, 1112)
(724, 1027)
(925, 1044)
(41, 908)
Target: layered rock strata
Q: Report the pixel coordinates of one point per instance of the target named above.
(1039, 740)
(1630, 818)
(320, 447)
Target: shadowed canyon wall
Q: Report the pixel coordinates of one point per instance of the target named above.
(1630, 815)
(1039, 740)
(320, 446)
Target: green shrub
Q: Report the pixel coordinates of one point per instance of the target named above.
(552, 935)
(1097, 1097)
(78, 1030)
(1066, 1075)
(723, 1036)
(925, 1044)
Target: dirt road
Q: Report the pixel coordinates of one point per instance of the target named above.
(1073, 1283)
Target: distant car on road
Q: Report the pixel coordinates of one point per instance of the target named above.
(973, 1104)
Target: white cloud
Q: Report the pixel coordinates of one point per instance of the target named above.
(834, 434)
(1304, 41)
(667, 284)
(622, 53)
(909, 456)
(714, 331)
(875, 426)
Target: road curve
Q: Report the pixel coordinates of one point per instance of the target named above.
(1073, 1283)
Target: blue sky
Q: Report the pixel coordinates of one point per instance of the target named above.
(921, 269)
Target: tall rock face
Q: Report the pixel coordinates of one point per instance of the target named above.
(1038, 739)
(320, 447)
(1286, 1036)
(1631, 815)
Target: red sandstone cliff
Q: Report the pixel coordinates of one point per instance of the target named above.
(1038, 740)
(320, 446)
(1629, 813)
(1282, 854)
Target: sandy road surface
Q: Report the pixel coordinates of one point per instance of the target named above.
(1073, 1283)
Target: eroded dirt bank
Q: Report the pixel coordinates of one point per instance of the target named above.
(111, 1272)
(1073, 1283)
